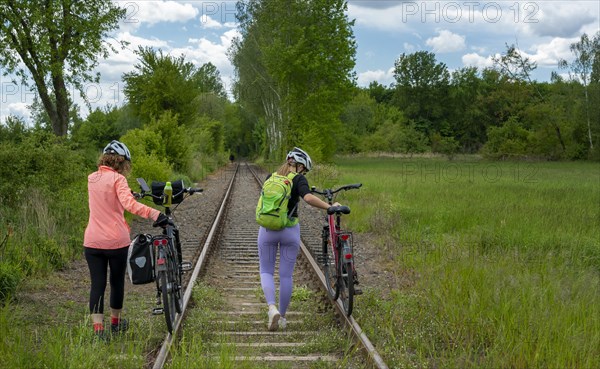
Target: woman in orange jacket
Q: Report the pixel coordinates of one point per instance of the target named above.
(106, 238)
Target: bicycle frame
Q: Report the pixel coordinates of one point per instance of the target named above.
(335, 236)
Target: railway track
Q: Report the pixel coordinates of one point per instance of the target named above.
(235, 334)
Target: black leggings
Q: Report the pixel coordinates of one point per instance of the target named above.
(98, 260)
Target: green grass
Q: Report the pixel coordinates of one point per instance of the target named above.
(68, 345)
(503, 260)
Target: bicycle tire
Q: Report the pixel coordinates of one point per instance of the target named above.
(178, 271)
(329, 270)
(176, 284)
(168, 306)
(174, 278)
(346, 283)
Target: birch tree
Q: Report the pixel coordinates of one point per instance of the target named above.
(586, 52)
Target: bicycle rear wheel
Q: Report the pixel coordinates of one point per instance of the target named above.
(346, 283)
(329, 269)
(171, 293)
(168, 301)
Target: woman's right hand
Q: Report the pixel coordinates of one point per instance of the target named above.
(161, 221)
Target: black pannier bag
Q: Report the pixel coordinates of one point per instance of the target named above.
(158, 188)
(140, 260)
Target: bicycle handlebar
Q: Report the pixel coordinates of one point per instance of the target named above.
(189, 190)
(330, 192)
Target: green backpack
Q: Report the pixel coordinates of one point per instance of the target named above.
(272, 208)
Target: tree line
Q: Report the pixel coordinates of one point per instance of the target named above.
(295, 85)
(499, 112)
(295, 81)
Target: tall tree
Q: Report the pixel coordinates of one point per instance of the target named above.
(294, 67)
(380, 93)
(421, 89)
(56, 43)
(585, 67)
(255, 89)
(518, 68)
(465, 113)
(161, 83)
(209, 80)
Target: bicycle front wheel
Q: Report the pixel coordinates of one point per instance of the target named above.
(329, 270)
(346, 283)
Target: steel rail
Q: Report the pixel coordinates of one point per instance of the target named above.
(163, 354)
(350, 322)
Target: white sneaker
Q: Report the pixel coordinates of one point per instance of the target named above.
(273, 318)
(282, 323)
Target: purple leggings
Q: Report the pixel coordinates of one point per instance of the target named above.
(288, 239)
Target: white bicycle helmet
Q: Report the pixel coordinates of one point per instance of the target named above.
(301, 157)
(118, 148)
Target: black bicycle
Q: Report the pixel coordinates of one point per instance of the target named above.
(337, 246)
(168, 263)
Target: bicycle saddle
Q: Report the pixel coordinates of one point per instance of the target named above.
(338, 210)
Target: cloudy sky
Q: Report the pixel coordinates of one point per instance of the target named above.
(460, 33)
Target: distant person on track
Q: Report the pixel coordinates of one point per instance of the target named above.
(231, 158)
(286, 240)
(106, 240)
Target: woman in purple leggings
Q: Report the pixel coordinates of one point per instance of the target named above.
(287, 239)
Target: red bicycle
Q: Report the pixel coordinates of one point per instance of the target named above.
(338, 262)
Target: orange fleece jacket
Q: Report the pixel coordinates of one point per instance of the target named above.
(109, 195)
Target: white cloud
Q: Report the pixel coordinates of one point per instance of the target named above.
(374, 4)
(152, 12)
(548, 54)
(383, 77)
(19, 109)
(560, 19)
(446, 42)
(479, 49)
(204, 50)
(116, 64)
(476, 60)
(544, 54)
(384, 19)
(409, 47)
(514, 19)
(207, 22)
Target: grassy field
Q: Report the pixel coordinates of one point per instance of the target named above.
(500, 264)
(503, 260)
